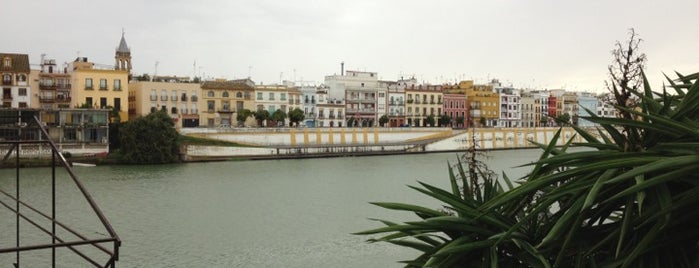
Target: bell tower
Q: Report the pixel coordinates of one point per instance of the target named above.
(123, 56)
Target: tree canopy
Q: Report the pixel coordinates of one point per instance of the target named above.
(296, 116)
(150, 139)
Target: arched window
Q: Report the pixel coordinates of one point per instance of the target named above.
(225, 94)
(173, 110)
(22, 78)
(239, 94)
(210, 94)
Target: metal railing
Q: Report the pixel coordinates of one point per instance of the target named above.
(32, 124)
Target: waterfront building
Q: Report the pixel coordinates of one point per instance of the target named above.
(540, 108)
(54, 86)
(330, 111)
(309, 97)
(273, 98)
(396, 101)
(222, 99)
(361, 94)
(16, 90)
(482, 102)
(586, 101)
(99, 86)
(455, 107)
(552, 102)
(423, 101)
(570, 106)
(178, 99)
(605, 107)
(529, 111)
(510, 109)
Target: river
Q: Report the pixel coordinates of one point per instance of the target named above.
(271, 213)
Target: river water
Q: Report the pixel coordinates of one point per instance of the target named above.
(272, 213)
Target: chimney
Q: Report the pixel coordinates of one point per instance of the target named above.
(342, 68)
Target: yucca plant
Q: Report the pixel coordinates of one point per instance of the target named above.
(630, 200)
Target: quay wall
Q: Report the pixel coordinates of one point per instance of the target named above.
(284, 143)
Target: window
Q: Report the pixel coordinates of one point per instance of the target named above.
(271, 96)
(173, 96)
(117, 103)
(7, 62)
(194, 97)
(88, 83)
(283, 96)
(173, 110)
(22, 78)
(117, 84)
(259, 95)
(22, 105)
(103, 84)
(225, 94)
(153, 95)
(210, 94)
(163, 95)
(210, 106)
(103, 103)
(239, 94)
(88, 101)
(22, 92)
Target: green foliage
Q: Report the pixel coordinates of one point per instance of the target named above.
(242, 116)
(278, 116)
(460, 121)
(261, 116)
(383, 120)
(482, 121)
(429, 120)
(628, 200)
(563, 119)
(296, 116)
(150, 139)
(444, 120)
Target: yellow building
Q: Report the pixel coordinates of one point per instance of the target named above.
(179, 100)
(482, 101)
(221, 100)
(102, 86)
(421, 102)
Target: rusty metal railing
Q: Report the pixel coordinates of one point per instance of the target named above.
(57, 160)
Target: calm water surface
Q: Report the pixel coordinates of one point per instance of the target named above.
(276, 213)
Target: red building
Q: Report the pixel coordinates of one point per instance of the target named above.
(552, 106)
(456, 108)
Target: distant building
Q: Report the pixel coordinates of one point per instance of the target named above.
(483, 103)
(423, 101)
(330, 111)
(16, 91)
(54, 86)
(455, 107)
(222, 99)
(179, 100)
(510, 107)
(586, 102)
(360, 90)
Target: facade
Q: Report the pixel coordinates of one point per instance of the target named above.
(423, 101)
(330, 111)
(541, 107)
(396, 102)
(510, 107)
(99, 87)
(309, 96)
(179, 100)
(586, 101)
(16, 90)
(360, 90)
(529, 114)
(455, 107)
(482, 102)
(221, 99)
(273, 98)
(54, 86)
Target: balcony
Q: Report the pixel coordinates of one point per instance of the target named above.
(226, 110)
(163, 98)
(173, 98)
(183, 98)
(331, 116)
(298, 102)
(417, 101)
(291, 101)
(194, 99)
(153, 98)
(6, 82)
(48, 86)
(6, 97)
(89, 88)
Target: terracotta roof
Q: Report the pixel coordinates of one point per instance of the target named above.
(20, 62)
(234, 84)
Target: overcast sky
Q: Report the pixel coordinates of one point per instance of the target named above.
(536, 44)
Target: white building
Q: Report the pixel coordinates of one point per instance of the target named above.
(16, 91)
(360, 90)
(510, 110)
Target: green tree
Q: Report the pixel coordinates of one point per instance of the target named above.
(430, 120)
(444, 120)
(296, 116)
(563, 119)
(383, 120)
(242, 116)
(150, 139)
(261, 116)
(278, 117)
(460, 121)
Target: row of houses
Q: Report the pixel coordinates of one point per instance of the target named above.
(347, 99)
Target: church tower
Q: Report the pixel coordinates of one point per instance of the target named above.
(123, 56)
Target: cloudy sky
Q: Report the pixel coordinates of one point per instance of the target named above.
(536, 44)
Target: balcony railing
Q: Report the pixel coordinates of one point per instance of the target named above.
(153, 98)
(7, 97)
(194, 99)
(163, 98)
